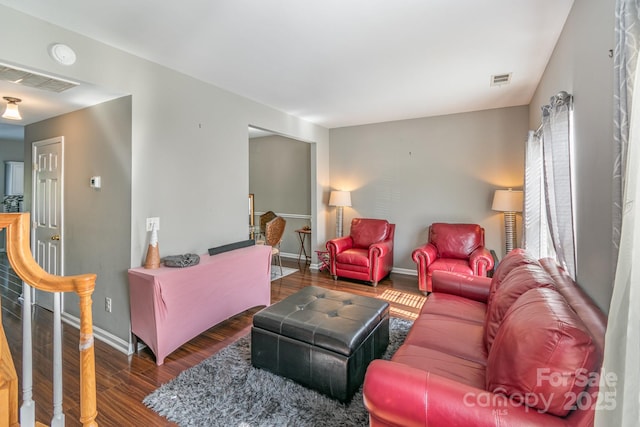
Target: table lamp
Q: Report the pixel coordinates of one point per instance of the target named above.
(509, 202)
(339, 199)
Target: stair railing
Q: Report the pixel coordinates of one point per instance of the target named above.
(19, 254)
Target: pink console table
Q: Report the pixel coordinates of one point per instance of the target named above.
(170, 306)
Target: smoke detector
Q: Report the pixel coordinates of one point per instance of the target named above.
(62, 54)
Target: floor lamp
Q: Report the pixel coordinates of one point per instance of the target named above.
(509, 202)
(339, 199)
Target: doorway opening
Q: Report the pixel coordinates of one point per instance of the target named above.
(280, 179)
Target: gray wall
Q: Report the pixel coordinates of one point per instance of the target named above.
(189, 166)
(581, 65)
(436, 169)
(97, 141)
(280, 179)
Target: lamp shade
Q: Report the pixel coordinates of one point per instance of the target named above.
(340, 198)
(507, 201)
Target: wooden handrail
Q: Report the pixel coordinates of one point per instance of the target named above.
(18, 228)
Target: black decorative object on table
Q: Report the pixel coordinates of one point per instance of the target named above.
(231, 246)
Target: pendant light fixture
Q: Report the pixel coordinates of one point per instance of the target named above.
(12, 112)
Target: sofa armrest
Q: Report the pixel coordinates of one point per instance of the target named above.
(339, 244)
(481, 261)
(380, 249)
(397, 394)
(334, 247)
(464, 285)
(425, 255)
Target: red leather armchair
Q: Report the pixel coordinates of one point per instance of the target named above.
(452, 247)
(366, 254)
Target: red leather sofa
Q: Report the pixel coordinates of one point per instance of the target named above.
(366, 254)
(452, 247)
(522, 349)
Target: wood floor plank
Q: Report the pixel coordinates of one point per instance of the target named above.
(123, 381)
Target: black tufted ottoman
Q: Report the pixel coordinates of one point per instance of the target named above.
(322, 339)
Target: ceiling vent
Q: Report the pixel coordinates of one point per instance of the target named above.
(31, 79)
(500, 79)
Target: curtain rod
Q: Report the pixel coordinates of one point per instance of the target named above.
(537, 132)
(559, 98)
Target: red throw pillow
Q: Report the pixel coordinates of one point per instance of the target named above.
(541, 353)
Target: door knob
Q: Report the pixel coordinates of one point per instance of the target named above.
(55, 237)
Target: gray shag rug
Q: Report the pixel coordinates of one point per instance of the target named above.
(225, 390)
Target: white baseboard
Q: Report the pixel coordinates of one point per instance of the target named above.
(289, 255)
(407, 271)
(102, 335)
(312, 266)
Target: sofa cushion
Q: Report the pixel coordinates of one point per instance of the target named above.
(354, 257)
(517, 282)
(441, 363)
(455, 306)
(513, 259)
(436, 332)
(450, 264)
(455, 240)
(540, 353)
(367, 231)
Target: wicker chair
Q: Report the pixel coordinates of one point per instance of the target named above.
(265, 218)
(274, 230)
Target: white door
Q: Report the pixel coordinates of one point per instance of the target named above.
(46, 210)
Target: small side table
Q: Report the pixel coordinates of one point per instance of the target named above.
(302, 235)
(323, 260)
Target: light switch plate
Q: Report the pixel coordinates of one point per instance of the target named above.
(151, 221)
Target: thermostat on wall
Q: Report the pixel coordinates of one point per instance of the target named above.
(94, 182)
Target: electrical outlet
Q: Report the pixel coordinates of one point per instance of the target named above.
(151, 221)
(107, 305)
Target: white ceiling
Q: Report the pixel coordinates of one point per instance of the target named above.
(334, 62)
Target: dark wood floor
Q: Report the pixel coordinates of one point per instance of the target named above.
(123, 381)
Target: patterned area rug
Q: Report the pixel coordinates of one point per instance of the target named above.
(275, 272)
(225, 390)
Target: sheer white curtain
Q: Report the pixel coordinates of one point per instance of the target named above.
(548, 193)
(535, 239)
(623, 329)
(556, 153)
(627, 34)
